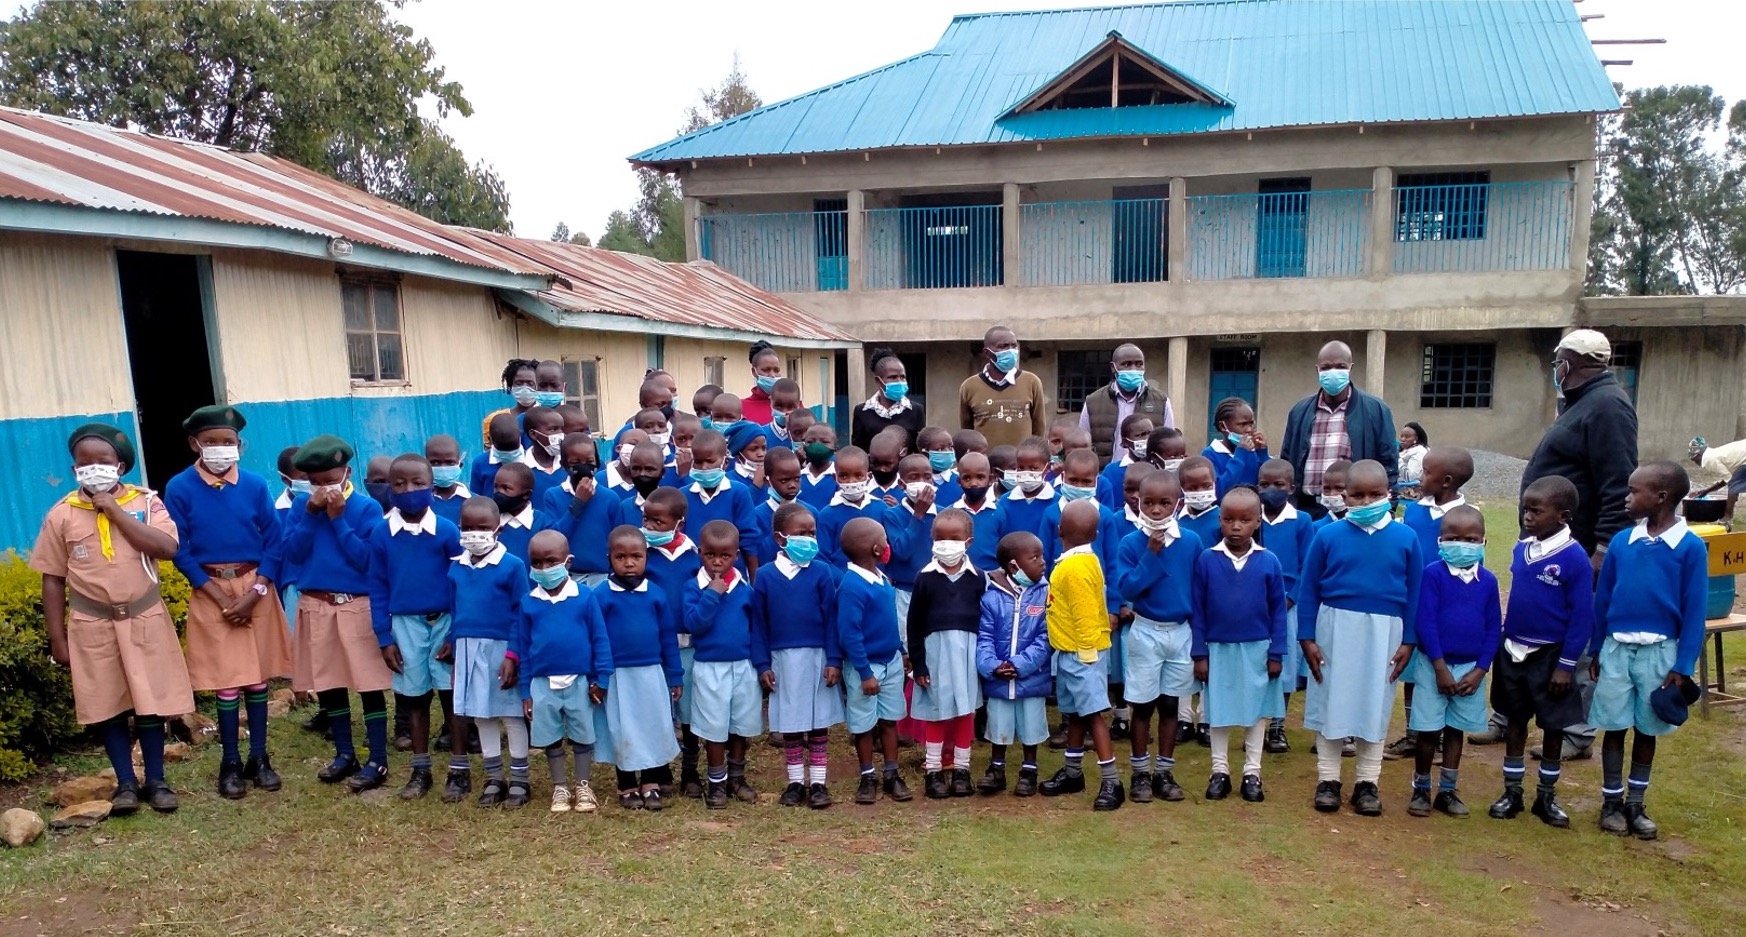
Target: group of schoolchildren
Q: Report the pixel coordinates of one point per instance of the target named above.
(721, 576)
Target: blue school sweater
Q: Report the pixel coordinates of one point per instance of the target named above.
(732, 501)
(232, 523)
(1110, 482)
(866, 621)
(449, 509)
(764, 513)
(1459, 622)
(544, 481)
(641, 628)
(609, 479)
(1665, 586)
(585, 524)
(1236, 606)
(1159, 586)
(1356, 570)
(817, 491)
(794, 607)
(836, 515)
(1552, 601)
(911, 539)
(1111, 526)
(559, 636)
(987, 526)
(482, 477)
(1288, 539)
(288, 574)
(517, 535)
(778, 437)
(947, 491)
(409, 569)
(1024, 513)
(721, 622)
(486, 595)
(1427, 525)
(333, 555)
(671, 569)
(1204, 525)
(630, 510)
(1233, 465)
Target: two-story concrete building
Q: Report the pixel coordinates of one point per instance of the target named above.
(1229, 183)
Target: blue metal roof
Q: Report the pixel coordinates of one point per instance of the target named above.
(1281, 63)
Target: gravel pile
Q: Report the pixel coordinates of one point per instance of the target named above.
(1495, 476)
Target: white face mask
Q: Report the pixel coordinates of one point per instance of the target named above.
(97, 477)
(1029, 481)
(1171, 465)
(551, 444)
(660, 439)
(524, 395)
(1151, 526)
(914, 490)
(950, 552)
(1139, 449)
(1199, 500)
(478, 542)
(336, 489)
(1335, 503)
(624, 454)
(854, 491)
(219, 459)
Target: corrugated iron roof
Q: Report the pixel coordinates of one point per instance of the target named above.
(697, 294)
(1282, 63)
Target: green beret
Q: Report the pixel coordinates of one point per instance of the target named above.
(321, 454)
(216, 415)
(109, 434)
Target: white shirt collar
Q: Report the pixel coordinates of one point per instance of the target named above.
(1045, 493)
(787, 567)
(806, 472)
(641, 586)
(837, 498)
(672, 552)
(1381, 523)
(697, 489)
(527, 459)
(1287, 513)
(460, 492)
(615, 476)
(940, 478)
(1127, 458)
(1130, 515)
(1468, 574)
(965, 567)
(875, 577)
(873, 403)
(1006, 379)
(1237, 561)
(398, 524)
(496, 556)
(524, 520)
(734, 583)
(569, 591)
(963, 504)
(1438, 510)
(745, 470)
(1671, 536)
(1076, 551)
(1536, 548)
(285, 499)
(1223, 446)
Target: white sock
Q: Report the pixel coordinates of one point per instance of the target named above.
(931, 760)
(1369, 761)
(818, 774)
(516, 729)
(797, 773)
(1221, 748)
(961, 758)
(1328, 757)
(491, 737)
(1253, 737)
(1123, 713)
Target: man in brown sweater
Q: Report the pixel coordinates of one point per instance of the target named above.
(1002, 402)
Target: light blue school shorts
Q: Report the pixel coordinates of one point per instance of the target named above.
(863, 711)
(728, 700)
(1434, 712)
(1157, 660)
(1081, 688)
(419, 638)
(1629, 673)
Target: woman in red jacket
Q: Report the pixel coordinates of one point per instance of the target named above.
(766, 371)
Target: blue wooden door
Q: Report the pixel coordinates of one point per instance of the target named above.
(1281, 227)
(1234, 372)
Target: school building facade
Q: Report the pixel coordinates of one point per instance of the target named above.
(1229, 184)
(142, 277)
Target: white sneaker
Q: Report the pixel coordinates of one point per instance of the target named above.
(560, 799)
(585, 802)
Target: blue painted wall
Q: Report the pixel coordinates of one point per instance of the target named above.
(35, 470)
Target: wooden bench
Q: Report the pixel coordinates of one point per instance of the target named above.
(1716, 694)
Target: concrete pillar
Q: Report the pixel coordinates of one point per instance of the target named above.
(1375, 358)
(1582, 212)
(1177, 376)
(1176, 251)
(693, 237)
(1012, 271)
(855, 363)
(1381, 223)
(857, 245)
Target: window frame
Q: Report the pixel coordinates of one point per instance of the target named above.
(1090, 364)
(575, 380)
(1441, 206)
(1457, 375)
(371, 283)
(1627, 357)
(715, 370)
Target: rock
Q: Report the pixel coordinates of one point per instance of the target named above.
(80, 790)
(80, 816)
(277, 708)
(285, 694)
(19, 827)
(194, 728)
(178, 751)
(107, 774)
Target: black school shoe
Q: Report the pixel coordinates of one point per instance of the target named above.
(491, 795)
(337, 770)
(418, 784)
(993, 781)
(1062, 783)
(260, 773)
(1366, 801)
(1277, 743)
(1109, 796)
(1508, 805)
(1184, 732)
(1165, 788)
(230, 781)
(368, 778)
(716, 796)
(1613, 819)
(458, 786)
(162, 799)
(819, 797)
(1251, 790)
(1448, 804)
(741, 791)
(1218, 787)
(935, 787)
(653, 800)
(1420, 803)
(518, 795)
(1058, 738)
(1328, 797)
(124, 801)
(895, 788)
(961, 783)
(1027, 783)
(867, 791)
(1119, 729)
(692, 787)
(1141, 787)
(1641, 826)
(792, 795)
(1203, 735)
(1547, 809)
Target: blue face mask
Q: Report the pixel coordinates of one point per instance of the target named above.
(301, 486)
(778, 418)
(1273, 499)
(1365, 515)
(1076, 493)
(657, 538)
(705, 422)
(1460, 554)
(445, 476)
(550, 578)
(1235, 439)
(1007, 359)
(941, 461)
(549, 398)
(766, 383)
(1007, 482)
(1018, 576)
(506, 455)
(896, 390)
(801, 550)
(1129, 381)
(708, 478)
(414, 502)
(1334, 381)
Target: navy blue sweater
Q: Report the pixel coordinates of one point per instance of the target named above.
(1289, 542)
(228, 524)
(911, 539)
(1027, 513)
(832, 518)
(1429, 528)
(671, 569)
(799, 612)
(333, 555)
(1236, 606)
(1663, 591)
(764, 513)
(1552, 601)
(641, 628)
(409, 572)
(1459, 622)
(732, 501)
(486, 596)
(818, 491)
(866, 622)
(517, 537)
(1205, 525)
(1158, 586)
(1234, 465)
(586, 525)
(560, 638)
(1359, 571)
(942, 604)
(721, 622)
(449, 508)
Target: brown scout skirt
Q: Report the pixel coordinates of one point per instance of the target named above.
(223, 656)
(131, 663)
(336, 647)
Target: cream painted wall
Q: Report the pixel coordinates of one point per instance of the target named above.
(64, 349)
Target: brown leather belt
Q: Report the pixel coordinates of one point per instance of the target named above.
(331, 598)
(85, 605)
(229, 570)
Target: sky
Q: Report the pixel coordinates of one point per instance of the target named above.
(563, 92)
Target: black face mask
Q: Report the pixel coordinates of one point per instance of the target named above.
(511, 505)
(885, 478)
(380, 491)
(579, 472)
(667, 411)
(646, 486)
(627, 583)
(975, 494)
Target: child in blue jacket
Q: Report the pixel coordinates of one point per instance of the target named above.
(1013, 656)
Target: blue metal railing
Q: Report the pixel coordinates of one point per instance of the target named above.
(1483, 227)
(1279, 234)
(1105, 241)
(933, 248)
(784, 252)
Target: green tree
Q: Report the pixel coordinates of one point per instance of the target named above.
(331, 86)
(562, 234)
(621, 234)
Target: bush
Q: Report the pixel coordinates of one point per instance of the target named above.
(36, 695)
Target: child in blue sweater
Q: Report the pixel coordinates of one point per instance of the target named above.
(1136, 429)
(908, 525)
(937, 447)
(1166, 448)
(544, 427)
(728, 705)
(562, 660)
(1013, 655)
(884, 451)
(1550, 622)
(582, 511)
(852, 498)
(645, 479)
(1332, 500)
(1029, 495)
(513, 492)
(1358, 597)
(1132, 478)
(1446, 469)
(1078, 483)
(1238, 623)
(1648, 631)
(981, 501)
(748, 448)
(616, 476)
(296, 483)
(793, 609)
(1238, 449)
(712, 496)
(506, 448)
(1287, 533)
(636, 732)
(782, 475)
(672, 564)
(1459, 626)
(1200, 498)
(447, 492)
(485, 582)
(818, 480)
(868, 632)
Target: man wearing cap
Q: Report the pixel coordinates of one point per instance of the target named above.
(1127, 393)
(237, 638)
(327, 536)
(98, 553)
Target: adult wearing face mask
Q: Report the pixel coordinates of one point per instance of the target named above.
(766, 371)
(1002, 402)
(1337, 422)
(890, 404)
(1127, 393)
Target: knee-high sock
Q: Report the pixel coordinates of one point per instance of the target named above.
(337, 703)
(961, 735)
(151, 745)
(1369, 761)
(516, 728)
(1221, 749)
(229, 712)
(255, 701)
(816, 754)
(555, 764)
(375, 704)
(1253, 738)
(583, 758)
(118, 745)
(491, 746)
(794, 756)
(1328, 757)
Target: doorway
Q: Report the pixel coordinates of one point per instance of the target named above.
(167, 352)
(1281, 227)
(1141, 234)
(830, 242)
(952, 240)
(1233, 372)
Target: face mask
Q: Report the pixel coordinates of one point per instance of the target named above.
(884, 479)
(707, 422)
(507, 455)
(624, 454)
(1274, 498)
(1019, 577)
(478, 542)
(301, 486)
(550, 444)
(1460, 554)
(1071, 493)
(1199, 500)
(1335, 503)
(660, 439)
(779, 418)
(1006, 360)
(667, 411)
(414, 502)
(627, 583)
(1364, 515)
(524, 395)
(728, 429)
(1008, 482)
(1334, 381)
(380, 491)
(1235, 439)
(510, 506)
(551, 578)
(579, 472)
(950, 552)
(800, 550)
(335, 489)
(1171, 465)
(854, 491)
(657, 538)
(645, 486)
(549, 398)
(445, 476)
(975, 494)
(896, 390)
(766, 383)
(818, 453)
(1560, 371)
(97, 477)
(915, 490)
(219, 459)
(1129, 381)
(708, 478)
(942, 461)
(1029, 481)
(1138, 448)
(1151, 526)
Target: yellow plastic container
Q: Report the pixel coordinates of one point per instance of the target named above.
(1721, 595)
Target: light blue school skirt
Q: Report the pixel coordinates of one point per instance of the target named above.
(588, 580)
(956, 687)
(1081, 688)
(1629, 673)
(687, 655)
(729, 701)
(1024, 720)
(801, 702)
(419, 639)
(1238, 691)
(1158, 661)
(478, 692)
(1434, 712)
(1292, 669)
(863, 712)
(561, 714)
(633, 729)
(1354, 696)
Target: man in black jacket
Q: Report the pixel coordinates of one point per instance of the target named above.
(1338, 421)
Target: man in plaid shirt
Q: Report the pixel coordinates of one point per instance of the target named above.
(1338, 421)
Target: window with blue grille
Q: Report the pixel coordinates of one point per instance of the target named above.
(1078, 375)
(1440, 206)
(1626, 362)
(1458, 376)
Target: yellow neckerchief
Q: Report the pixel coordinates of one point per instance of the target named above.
(103, 532)
(229, 477)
